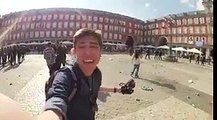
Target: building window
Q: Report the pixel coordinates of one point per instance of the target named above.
(185, 30)
(174, 30)
(100, 26)
(71, 33)
(39, 17)
(106, 20)
(22, 35)
(18, 36)
(89, 18)
(207, 19)
(162, 31)
(72, 17)
(195, 20)
(179, 40)
(78, 17)
(156, 32)
(36, 34)
(71, 24)
(77, 24)
(202, 21)
(197, 30)
(41, 33)
(61, 16)
(54, 25)
(60, 24)
(47, 33)
(105, 27)
(105, 35)
(101, 19)
(44, 17)
(65, 33)
(94, 26)
(111, 21)
(89, 25)
(110, 36)
(27, 25)
(84, 17)
(59, 34)
(53, 34)
(191, 30)
(23, 27)
(24, 19)
(32, 26)
(179, 30)
(184, 21)
(115, 28)
(95, 19)
(189, 20)
(29, 18)
(65, 24)
(83, 25)
(203, 29)
(120, 37)
(115, 36)
(66, 17)
(49, 17)
(48, 25)
(31, 34)
(55, 16)
(130, 30)
(14, 37)
(110, 28)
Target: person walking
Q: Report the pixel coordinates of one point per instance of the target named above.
(49, 56)
(136, 59)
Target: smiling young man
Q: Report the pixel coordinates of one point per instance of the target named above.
(58, 106)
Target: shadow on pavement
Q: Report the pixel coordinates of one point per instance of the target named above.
(102, 96)
(11, 67)
(170, 86)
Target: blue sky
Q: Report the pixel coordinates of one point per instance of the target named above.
(141, 9)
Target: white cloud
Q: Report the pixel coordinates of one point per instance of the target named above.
(147, 4)
(199, 5)
(185, 1)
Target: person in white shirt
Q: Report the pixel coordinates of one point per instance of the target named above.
(137, 60)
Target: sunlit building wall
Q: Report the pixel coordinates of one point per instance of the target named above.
(58, 24)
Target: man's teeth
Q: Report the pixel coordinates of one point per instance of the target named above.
(88, 60)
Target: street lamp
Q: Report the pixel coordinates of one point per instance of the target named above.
(171, 22)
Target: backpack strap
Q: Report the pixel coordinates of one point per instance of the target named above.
(74, 90)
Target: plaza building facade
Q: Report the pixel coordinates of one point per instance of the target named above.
(59, 24)
(189, 30)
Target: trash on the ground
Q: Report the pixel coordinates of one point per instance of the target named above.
(147, 88)
(188, 97)
(193, 105)
(190, 81)
(110, 59)
(10, 84)
(197, 94)
(18, 75)
(137, 99)
(120, 72)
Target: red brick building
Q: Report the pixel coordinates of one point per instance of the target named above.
(58, 24)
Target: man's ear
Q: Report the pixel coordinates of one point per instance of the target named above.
(72, 51)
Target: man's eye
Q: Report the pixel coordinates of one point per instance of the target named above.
(94, 46)
(80, 46)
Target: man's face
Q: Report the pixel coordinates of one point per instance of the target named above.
(88, 52)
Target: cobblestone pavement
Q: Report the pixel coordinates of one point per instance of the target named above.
(167, 101)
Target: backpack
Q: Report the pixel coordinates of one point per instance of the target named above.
(49, 82)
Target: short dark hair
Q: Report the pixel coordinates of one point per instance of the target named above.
(87, 32)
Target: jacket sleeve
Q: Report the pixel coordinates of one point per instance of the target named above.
(59, 93)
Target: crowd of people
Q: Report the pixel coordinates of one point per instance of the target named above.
(12, 55)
